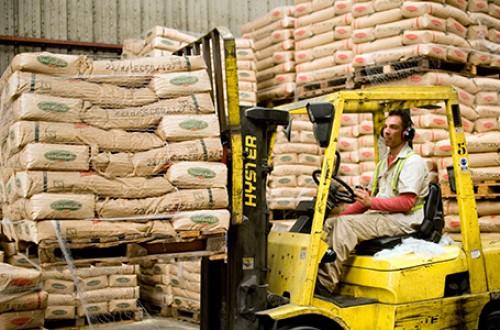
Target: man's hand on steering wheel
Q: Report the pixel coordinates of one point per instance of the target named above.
(335, 194)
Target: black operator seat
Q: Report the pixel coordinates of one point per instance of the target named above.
(430, 230)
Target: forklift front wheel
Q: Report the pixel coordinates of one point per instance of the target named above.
(491, 321)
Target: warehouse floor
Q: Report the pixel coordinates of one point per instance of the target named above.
(152, 323)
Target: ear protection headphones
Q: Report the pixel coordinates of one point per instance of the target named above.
(409, 132)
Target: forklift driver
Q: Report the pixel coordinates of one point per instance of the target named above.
(391, 205)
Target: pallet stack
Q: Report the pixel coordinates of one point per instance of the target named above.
(247, 72)
(22, 300)
(272, 35)
(323, 47)
(171, 287)
(293, 163)
(100, 156)
(102, 291)
(158, 41)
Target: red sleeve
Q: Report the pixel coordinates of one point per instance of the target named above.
(356, 208)
(402, 203)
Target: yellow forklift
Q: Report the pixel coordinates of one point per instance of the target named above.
(268, 279)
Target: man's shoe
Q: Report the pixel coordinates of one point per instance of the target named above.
(329, 256)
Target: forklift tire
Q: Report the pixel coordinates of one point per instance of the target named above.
(299, 327)
(491, 321)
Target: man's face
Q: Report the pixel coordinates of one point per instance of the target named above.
(393, 128)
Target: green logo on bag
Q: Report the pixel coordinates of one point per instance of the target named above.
(284, 180)
(242, 52)
(193, 125)
(244, 74)
(94, 283)
(59, 312)
(202, 173)
(286, 158)
(93, 308)
(60, 155)
(177, 301)
(310, 159)
(12, 135)
(53, 107)
(66, 205)
(123, 305)
(283, 202)
(174, 282)
(59, 286)
(123, 280)
(184, 81)
(18, 183)
(52, 61)
(208, 219)
(166, 42)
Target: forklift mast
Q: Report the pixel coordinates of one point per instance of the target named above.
(233, 290)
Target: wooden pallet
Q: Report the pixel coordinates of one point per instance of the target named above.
(88, 252)
(185, 314)
(400, 69)
(480, 70)
(324, 87)
(486, 189)
(97, 321)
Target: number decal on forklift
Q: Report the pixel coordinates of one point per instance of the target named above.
(461, 148)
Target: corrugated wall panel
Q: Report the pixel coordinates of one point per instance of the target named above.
(112, 21)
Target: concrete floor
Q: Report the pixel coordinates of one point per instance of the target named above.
(153, 323)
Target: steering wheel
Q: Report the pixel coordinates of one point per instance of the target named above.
(337, 195)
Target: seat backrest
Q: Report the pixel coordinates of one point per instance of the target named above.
(430, 230)
(432, 226)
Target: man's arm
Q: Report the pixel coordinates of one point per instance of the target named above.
(402, 203)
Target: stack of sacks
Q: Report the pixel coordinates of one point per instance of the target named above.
(323, 43)
(22, 302)
(388, 31)
(91, 140)
(272, 35)
(132, 48)
(483, 33)
(293, 163)
(247, 76)
(98, 290)
(163, 41)
(172, 283)
(356, 147)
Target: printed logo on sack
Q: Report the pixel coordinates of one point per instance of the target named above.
(66, 205)
(93, 309)
(201, 173)
(204, 219)
(174, 282)
(284, 180)
(21, 320)
(59, 312)
(310, 159)
(193, 125)
(59, 286)
(167, 42)
(184, 81)
(283, 202)
(123, 305)
(123, 280)
(286, 158)
(53, 107)
(52, 61)
(60, 156)
(94, 283)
